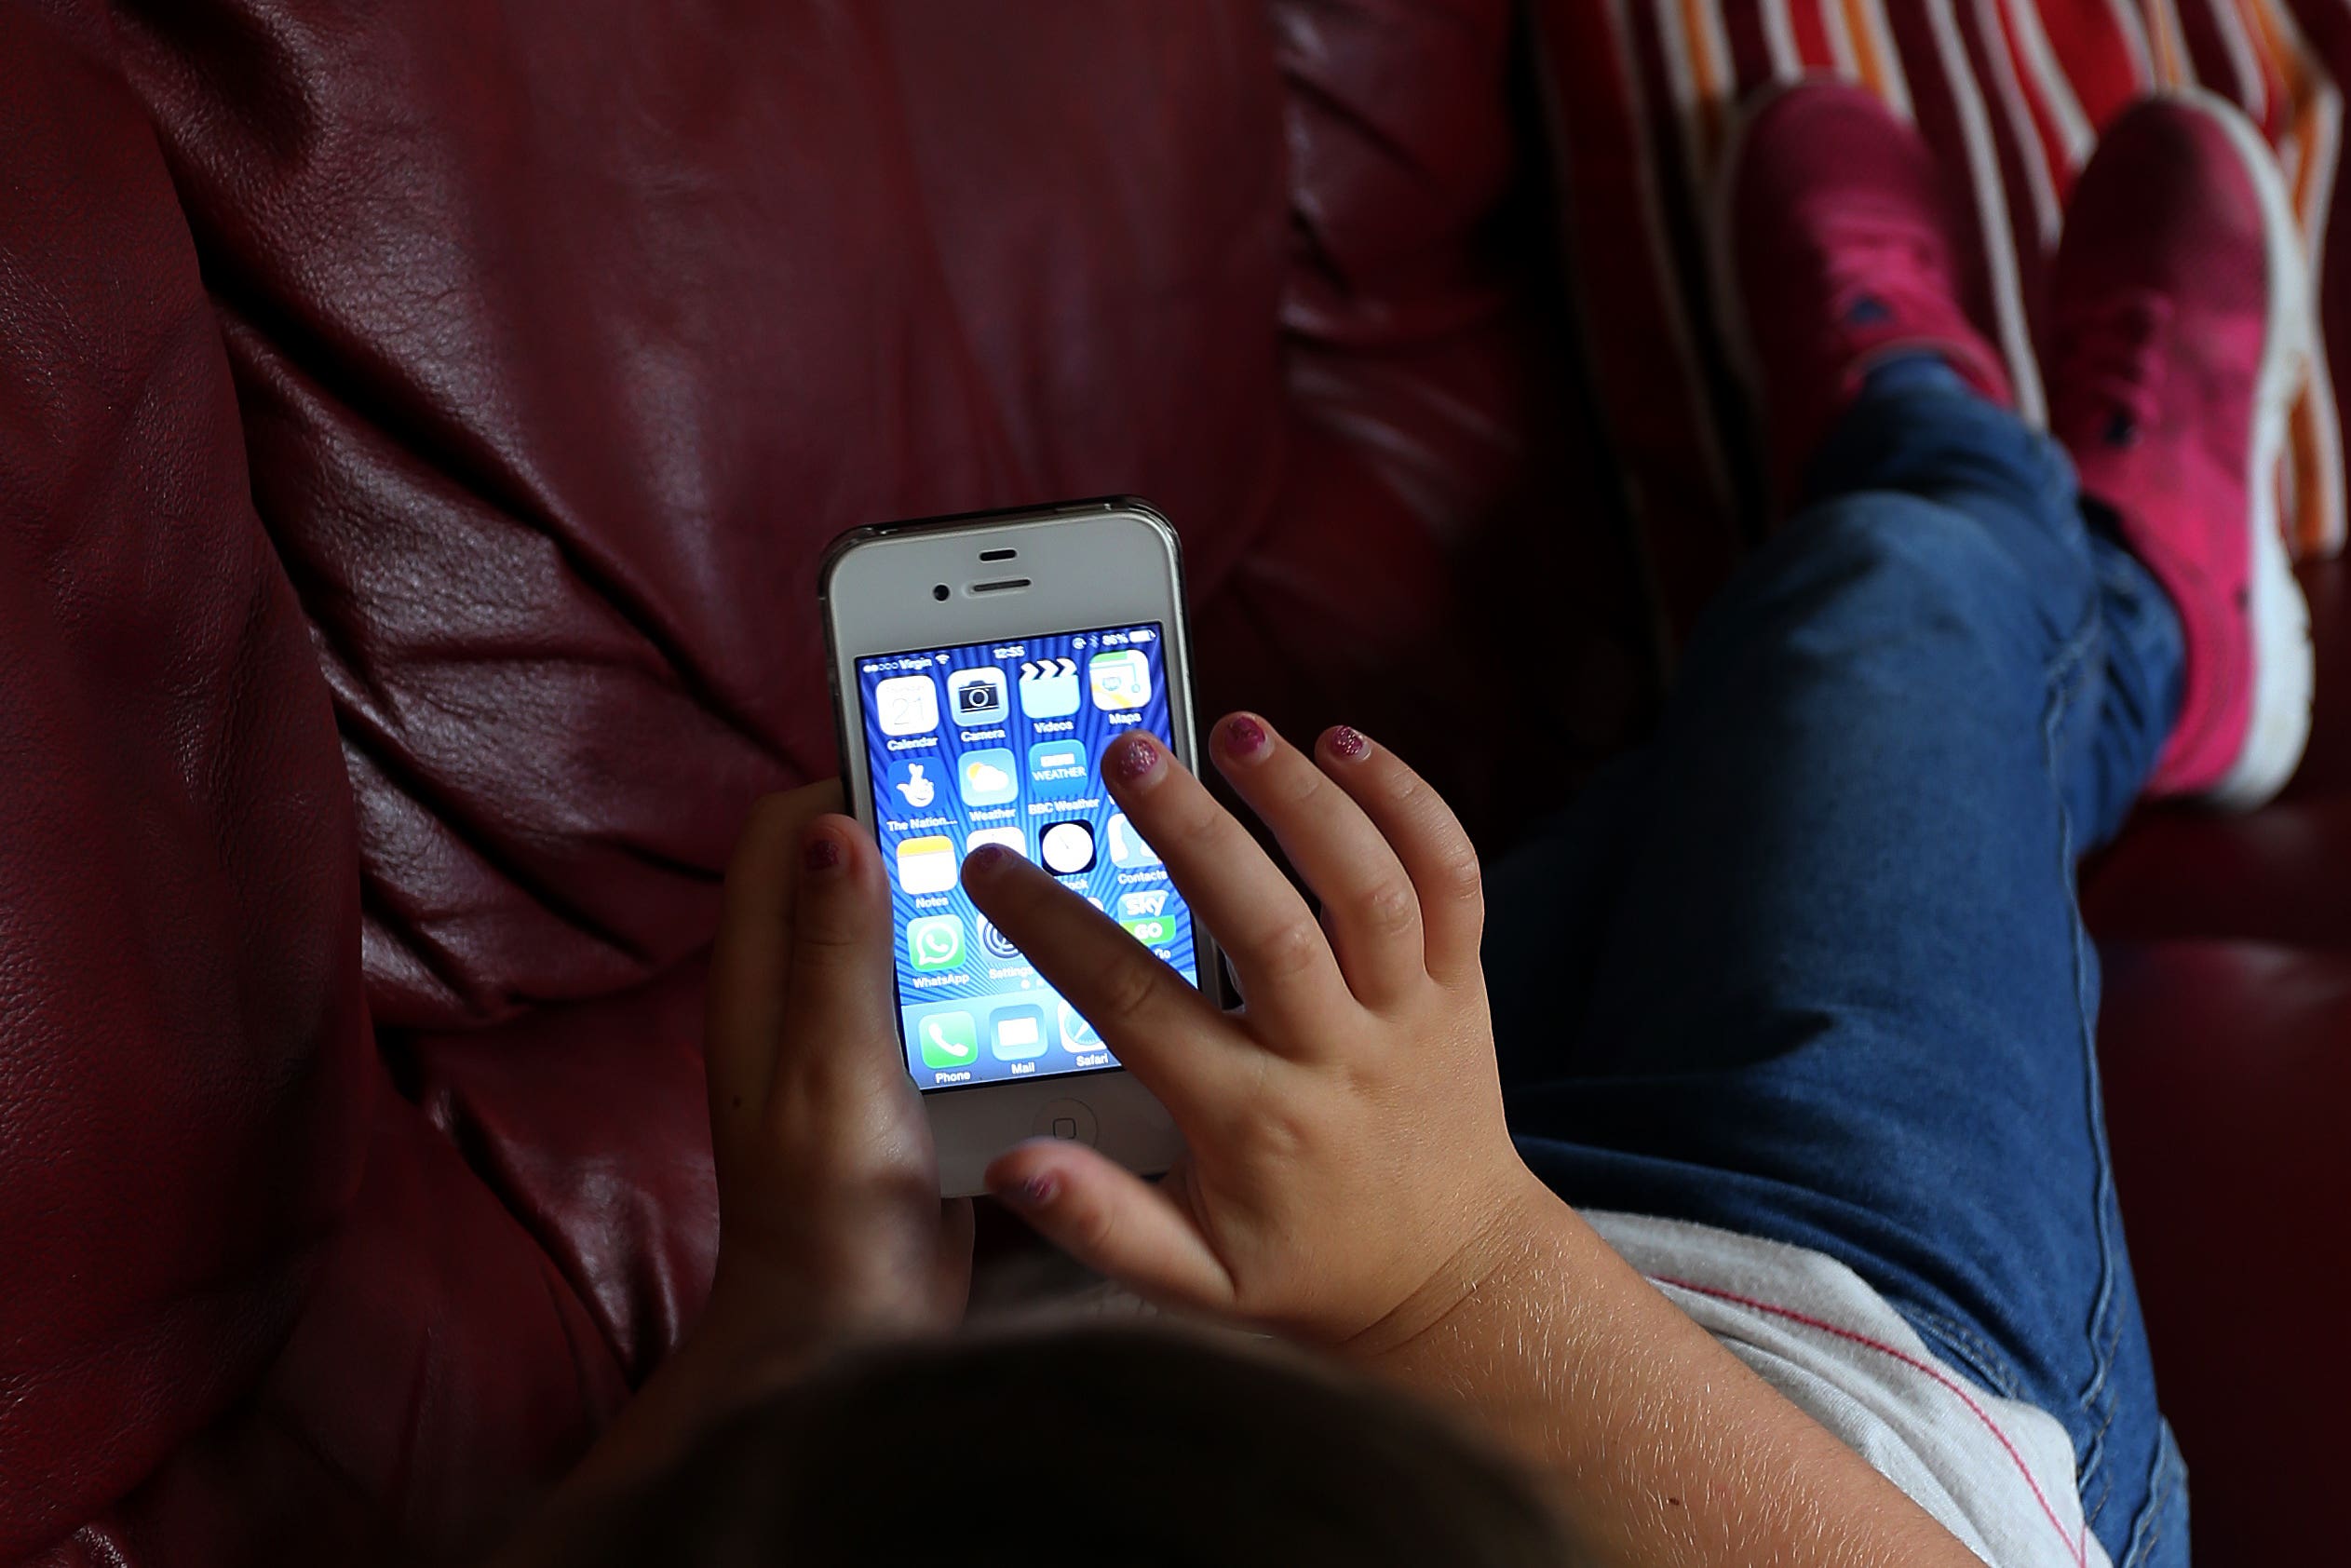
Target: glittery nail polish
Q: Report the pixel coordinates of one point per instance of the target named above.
(1133, 757)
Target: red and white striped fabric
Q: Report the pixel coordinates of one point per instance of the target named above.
(2009, 93)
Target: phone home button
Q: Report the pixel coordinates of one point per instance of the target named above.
(1071, 1119)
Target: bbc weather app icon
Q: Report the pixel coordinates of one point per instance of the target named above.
(1048, 689)
(1121, 679)
(987, 776)
(1058, 766)
(977, 696)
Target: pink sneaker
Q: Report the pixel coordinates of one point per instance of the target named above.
(2178, 321)
(1833, 252)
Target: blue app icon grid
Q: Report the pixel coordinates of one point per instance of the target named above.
(1052, 669)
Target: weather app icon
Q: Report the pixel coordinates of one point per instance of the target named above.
(987, 776)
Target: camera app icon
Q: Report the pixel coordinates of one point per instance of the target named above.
(975, 695)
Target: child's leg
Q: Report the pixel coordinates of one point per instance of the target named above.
(1811, 966)
(1841, 996)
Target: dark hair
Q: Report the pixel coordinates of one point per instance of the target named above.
(1100, 1446)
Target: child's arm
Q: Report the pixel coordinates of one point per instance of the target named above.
(1350, 1180)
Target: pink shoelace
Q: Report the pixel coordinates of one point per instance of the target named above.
(1876, 262)
(2110, 368)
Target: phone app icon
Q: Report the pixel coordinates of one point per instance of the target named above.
(1076, 1034)
(1121, 679)
(1048, 689)
(928, 865)
(1157, 930)
(908, 704)
(987, 776)
(1127, 847)
(1067, 848)
(977, 696)
(915, 783)
(1057, 767)
(935, 941)
(947, 1040)
(1017, 1033)
(1005, 838)
(997, 945)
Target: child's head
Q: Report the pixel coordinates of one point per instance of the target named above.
(1099, 1446)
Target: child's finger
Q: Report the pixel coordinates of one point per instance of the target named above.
(749, 962)
(1368, 904)
(1162, 1030)
(1427, 838)
(1112, 1222)
(1278, 953)
(839, 1031)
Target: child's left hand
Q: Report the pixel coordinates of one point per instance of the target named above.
(830, 1220)
(830, 1229)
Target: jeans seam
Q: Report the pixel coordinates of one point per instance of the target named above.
(2163, 1476)
(2064, 678)
(1983, 1361)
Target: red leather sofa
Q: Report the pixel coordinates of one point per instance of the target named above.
(418, 426)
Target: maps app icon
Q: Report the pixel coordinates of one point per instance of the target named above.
(1048, 689)
(1121, 680)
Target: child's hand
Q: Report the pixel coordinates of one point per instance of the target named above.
(830, 1220)
(1349, 1176)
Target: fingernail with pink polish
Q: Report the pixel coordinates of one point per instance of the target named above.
(1133, 757)
(1036, 1191)
(1244, 737)
(987, 858)
(1349, 743)
(820, 854)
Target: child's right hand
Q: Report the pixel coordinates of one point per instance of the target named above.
(1349, 1177)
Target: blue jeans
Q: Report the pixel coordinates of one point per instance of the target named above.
(1810, 967)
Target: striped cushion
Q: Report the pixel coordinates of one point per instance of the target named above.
(2009, 93)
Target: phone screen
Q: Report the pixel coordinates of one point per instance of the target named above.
(1001, 743)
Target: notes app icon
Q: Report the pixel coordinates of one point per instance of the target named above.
(927, 865)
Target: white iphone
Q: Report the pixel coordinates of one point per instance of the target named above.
(979, 666)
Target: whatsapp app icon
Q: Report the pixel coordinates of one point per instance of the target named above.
(935, 941)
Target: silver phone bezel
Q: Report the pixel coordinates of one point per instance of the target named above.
(1094, 564)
